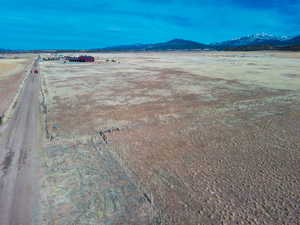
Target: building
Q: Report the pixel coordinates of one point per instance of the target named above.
(86, 58)
(82, 58)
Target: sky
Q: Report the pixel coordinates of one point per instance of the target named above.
(84, 24)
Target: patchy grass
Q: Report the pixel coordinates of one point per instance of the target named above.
(11, 66)
(12, 72)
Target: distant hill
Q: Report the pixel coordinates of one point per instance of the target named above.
(293, 41)
(264, 47)
(175, 44)
(290, 48)
(3, 50)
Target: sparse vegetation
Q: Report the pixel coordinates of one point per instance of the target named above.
(210, 137)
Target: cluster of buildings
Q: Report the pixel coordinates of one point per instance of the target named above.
(82, 58)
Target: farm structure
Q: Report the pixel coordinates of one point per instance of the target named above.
(80, 59)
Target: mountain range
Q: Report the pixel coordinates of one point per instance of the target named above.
(251, 42)
(256, 39)
(260, 41)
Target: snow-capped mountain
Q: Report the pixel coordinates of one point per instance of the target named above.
(255, 39)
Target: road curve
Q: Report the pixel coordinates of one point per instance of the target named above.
(18, 157)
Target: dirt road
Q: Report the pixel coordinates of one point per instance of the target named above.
(18, 164)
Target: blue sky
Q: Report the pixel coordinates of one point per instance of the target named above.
(55, 24)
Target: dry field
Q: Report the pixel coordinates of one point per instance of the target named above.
(11, 75)
(173, 138)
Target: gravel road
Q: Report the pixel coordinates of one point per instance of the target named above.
(18, 161)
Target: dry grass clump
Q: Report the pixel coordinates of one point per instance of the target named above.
(84, 184)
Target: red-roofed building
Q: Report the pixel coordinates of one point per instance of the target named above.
(82, 58)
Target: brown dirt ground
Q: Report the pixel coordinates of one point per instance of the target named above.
(11, 75)
(206, 144)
